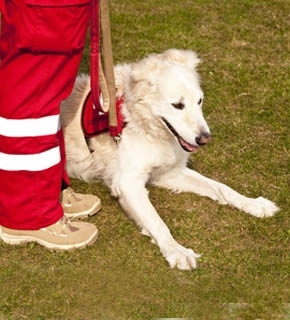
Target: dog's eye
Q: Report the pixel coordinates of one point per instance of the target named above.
(200, 101)
(178, 105)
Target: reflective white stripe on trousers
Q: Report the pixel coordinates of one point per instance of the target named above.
(29, 127)
(30, 162)
(22, 128)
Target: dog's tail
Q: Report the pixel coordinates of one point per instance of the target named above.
(77, 151)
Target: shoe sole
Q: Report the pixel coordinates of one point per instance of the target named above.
(84, 214)
(22, 239)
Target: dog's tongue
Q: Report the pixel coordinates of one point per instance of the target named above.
(187, 146)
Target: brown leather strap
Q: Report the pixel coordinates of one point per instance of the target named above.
(103, 79)
(108, 60)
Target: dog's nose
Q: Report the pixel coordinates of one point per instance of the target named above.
(203, 138)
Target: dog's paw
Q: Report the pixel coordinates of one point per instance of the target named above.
(261, 207)
(182, 258)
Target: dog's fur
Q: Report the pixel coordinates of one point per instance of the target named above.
(164, 124)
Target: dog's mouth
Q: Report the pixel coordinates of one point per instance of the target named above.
(184, 144)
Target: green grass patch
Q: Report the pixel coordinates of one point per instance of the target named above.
(244, 270)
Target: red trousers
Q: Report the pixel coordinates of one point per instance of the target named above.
(41, 45)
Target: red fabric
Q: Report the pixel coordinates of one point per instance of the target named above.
(94, 121)
(95, 52)
(40, 49)
(116, 131)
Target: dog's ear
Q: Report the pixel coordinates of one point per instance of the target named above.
(145, 71)
(184, 57)
(136, 76)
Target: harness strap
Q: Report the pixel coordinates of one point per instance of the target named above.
(109, 66)
(102, 81)
(95, 51)
(94, 121)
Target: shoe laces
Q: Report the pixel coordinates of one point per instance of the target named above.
(72, 196)
(62, 228)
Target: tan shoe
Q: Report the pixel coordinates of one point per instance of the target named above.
(78, 205)
(62, 235)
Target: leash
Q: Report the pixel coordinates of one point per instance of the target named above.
(103, 80)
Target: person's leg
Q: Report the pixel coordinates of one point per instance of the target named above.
(37, 71)
(76, 205)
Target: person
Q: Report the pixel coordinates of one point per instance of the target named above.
(41, 45)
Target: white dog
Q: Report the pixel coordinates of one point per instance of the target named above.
(164, 125)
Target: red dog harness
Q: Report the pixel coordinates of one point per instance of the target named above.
(95, 121)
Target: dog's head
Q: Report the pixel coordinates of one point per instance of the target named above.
(165, 90)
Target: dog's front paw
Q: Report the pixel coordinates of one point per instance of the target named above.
(261, 207)
(181, 257)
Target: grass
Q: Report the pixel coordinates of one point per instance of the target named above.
(244, 270)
